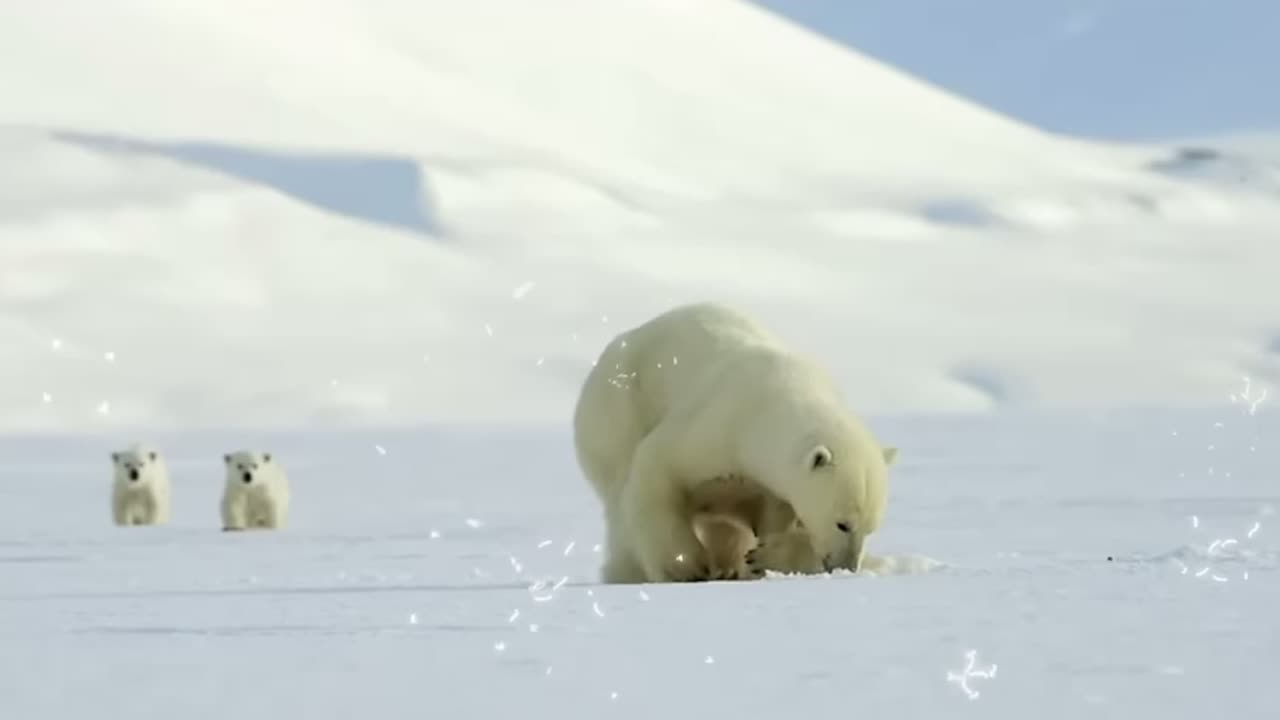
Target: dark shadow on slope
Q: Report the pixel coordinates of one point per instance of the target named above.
(387, 190)
(1225, 167)
(958, 212)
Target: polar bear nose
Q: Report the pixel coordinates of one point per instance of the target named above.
(133, 474)
(248, 477)
(844, 527)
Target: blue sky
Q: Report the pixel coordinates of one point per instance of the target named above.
(1124, 69)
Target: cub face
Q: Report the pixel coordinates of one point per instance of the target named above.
(136, 466)
(246, 467)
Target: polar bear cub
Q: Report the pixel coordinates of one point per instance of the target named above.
(702, 391)
(140, 491)
(256, 492)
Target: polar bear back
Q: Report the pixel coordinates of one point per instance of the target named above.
(674, 363)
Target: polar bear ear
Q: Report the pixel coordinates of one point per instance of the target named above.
(266, 457)
(152, 455)
(227, 458)
(819, 457)
(890, 454)
(115, 457)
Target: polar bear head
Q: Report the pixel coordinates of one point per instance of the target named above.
(248, 468)
(837, 483)
(136, 466)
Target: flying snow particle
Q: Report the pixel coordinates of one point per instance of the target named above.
(473, 523)
(543, 544)
(1254, 530)
(533, 627)
(521, 290)
(413, 618)
(560, 583)
(597, 548)
(540, 361)
(55, 344)
(500, 646)
(515, 564)
(434, 535)
(514, 615)
(569, 548)
(381, 450)
(1195, 521)
(710, 660)
(488, 329)
(46, 398)
(109, 356)
(613, 695)
(104, 408)
(595, 608)
(644, 596)
(548, 671)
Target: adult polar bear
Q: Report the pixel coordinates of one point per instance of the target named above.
(703, 392)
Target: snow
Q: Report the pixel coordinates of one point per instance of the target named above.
(447, 578)
(268, 201)
(387, 241)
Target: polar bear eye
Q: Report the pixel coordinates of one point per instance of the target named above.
(819, 458)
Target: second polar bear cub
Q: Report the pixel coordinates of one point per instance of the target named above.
(256, 492)
(140, 487)
(702, 391)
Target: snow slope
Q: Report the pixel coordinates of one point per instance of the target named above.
(941, 257)
(425, 575)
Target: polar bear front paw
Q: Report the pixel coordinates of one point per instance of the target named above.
(688, 567)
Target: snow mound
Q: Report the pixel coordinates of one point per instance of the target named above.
(580, 167)
(874, 566)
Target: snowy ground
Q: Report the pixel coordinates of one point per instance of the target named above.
(360, 609)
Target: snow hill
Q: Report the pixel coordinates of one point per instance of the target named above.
(247, 214)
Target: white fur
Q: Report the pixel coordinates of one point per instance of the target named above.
(703, 392)
(140, 488)
(261, 503)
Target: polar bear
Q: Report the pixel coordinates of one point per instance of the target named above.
(140, 491)
(256, 492)
(748, 531)
(702, 391)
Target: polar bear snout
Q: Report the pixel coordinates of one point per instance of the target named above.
(134, 475)
(247, 477)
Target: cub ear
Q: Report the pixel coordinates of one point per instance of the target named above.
(227, 458)
(115, 457)
(819, 457)
(153, 456)
(266, 457)
(890, 454)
